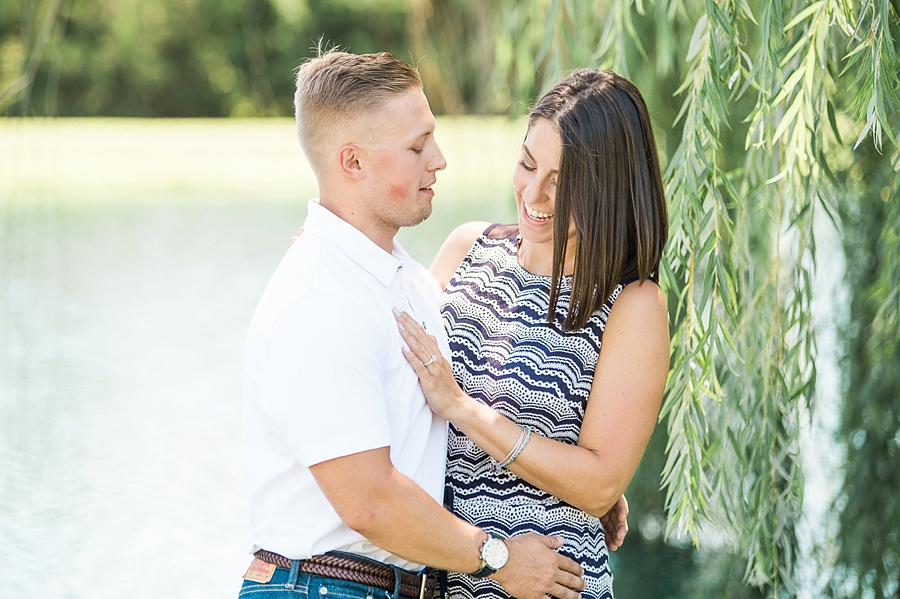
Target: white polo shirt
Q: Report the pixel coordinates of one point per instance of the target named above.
(324, 377)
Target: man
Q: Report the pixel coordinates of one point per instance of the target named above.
(343, 452)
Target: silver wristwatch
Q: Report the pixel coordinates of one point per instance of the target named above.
(494, 555)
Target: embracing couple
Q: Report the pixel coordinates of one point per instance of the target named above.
(458, 431)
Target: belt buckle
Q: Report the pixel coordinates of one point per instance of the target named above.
(422, 590)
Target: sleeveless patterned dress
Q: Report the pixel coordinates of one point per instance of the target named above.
(508, 356)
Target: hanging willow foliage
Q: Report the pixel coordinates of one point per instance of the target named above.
(792, 79)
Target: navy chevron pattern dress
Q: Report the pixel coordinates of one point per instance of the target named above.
(508, 356)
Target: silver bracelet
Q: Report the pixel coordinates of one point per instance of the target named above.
(517, 449)
(499, 465)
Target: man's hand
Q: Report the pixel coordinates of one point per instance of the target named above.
(615, 524)
(535, 569)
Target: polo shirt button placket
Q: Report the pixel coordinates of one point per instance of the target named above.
(337, 253)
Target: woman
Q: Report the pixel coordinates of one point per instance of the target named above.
(547, 430)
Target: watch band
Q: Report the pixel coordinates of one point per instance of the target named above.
(484, 572)
(486, 569)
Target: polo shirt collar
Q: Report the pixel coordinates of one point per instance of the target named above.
(355, 245)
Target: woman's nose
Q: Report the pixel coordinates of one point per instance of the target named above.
(533, 191)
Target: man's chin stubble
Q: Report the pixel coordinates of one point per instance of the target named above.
(418, 218)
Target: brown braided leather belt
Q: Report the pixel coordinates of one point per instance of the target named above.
(339, 567)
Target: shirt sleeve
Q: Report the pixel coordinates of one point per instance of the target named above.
(323, 387)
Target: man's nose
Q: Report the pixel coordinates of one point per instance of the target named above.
(438, 162)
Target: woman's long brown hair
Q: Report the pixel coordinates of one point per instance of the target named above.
(609, 184)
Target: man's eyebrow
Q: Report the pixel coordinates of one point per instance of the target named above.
(422, 135)
(530, 155)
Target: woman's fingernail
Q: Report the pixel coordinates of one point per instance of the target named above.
(397, 311)
(401, 327)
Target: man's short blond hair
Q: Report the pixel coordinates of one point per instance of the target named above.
(336, 88)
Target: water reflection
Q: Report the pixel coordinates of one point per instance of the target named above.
(122, 342)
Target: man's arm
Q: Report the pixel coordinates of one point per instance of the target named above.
(338, 426)
(394, 513)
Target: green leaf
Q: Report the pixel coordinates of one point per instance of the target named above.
(789, 116)
(795, 49)
(815, 6)
(870, 122)
(699, 38)
(790, 84)
(833, 122)
(746, 9)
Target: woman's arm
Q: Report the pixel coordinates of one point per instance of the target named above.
(621, 412)
(455, 248)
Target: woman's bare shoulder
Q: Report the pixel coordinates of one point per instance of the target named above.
(641, 308)
(454, 249)
(642, 295)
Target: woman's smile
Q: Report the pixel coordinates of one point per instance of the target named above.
(537, 215)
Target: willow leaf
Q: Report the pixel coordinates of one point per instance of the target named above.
(814, 7)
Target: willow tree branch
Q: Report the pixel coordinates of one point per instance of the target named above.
(23, 81)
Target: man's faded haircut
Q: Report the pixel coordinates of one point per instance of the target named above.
(337, 87)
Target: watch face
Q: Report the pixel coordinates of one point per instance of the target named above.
(495, 553)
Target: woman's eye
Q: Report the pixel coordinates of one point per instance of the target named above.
(530, 169)
(417, 150)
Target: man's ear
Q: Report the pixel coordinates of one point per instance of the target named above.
(349, 157)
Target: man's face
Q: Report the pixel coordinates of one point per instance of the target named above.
(403, 160)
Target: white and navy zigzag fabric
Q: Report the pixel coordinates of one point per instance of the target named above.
(508, 356)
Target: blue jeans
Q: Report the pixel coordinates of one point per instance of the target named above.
(292, 584)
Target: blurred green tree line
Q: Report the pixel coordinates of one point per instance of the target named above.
(220, 58)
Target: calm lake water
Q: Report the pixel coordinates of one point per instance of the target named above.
(132, 255)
